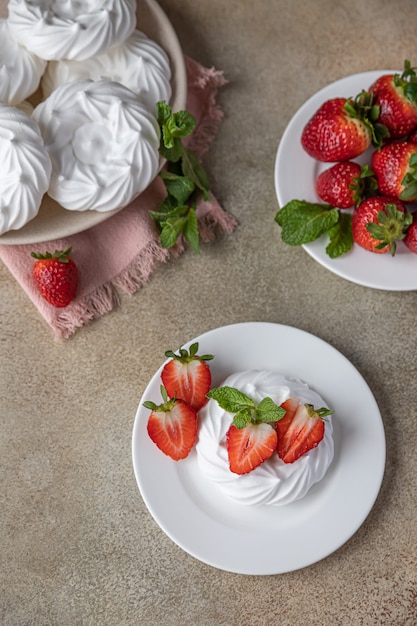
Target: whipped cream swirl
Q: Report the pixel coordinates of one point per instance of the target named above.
(139, 63)
(274, 482)
(71, 29)
(20, 70)
(25, 168)
(103, 143)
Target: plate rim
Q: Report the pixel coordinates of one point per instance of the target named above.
(340, 266)
(256, 328)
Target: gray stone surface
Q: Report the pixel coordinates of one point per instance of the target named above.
(78, 545)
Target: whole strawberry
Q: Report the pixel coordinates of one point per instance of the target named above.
(396, 96)
(379, 222)
(343, 128)
(395, 168)
(345, 184)
(56, 276)
(410, 239)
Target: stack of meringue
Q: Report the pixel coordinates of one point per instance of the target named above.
(91, 142)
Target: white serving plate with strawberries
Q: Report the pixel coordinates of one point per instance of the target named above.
(262, 540)
(295, 175)
(53, 221)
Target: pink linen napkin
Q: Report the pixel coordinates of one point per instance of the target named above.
(122, 251)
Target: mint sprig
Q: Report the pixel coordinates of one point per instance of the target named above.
(303, 222)
(340, 235)
(184, 179)
(245, 409)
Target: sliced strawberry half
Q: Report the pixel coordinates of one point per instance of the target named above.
(172, 426)
(250, 446)
(187, 376)
(300, 430)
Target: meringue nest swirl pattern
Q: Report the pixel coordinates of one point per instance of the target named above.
(103, 144)
(68, 29)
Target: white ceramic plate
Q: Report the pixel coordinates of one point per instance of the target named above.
(266, 539)
(295, 175)
(53, 221)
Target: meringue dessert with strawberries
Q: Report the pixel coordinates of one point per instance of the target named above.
(264, 439)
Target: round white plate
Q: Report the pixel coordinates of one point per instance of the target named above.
(53, 221)
(266, 539)
(295, 176)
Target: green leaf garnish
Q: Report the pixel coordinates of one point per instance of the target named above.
(170, 231)
(193, 169)
(184, 179)
(178, 187)
(303, 222)
(190, 229)
(244, 408)
(341, 238)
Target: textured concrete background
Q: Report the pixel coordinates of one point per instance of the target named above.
(78, 545)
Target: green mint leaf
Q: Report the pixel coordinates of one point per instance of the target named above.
(164, 112)
(173, 151)
(190, 230)
(181, 124)
(192, 168)
(341, 239)
(171, 229)
(303, 222)
(179, 187)
(231, 399)
(268, 411)
(173, 125)
(242, 418)
(182, 176)
(167, 211)
(244, 408)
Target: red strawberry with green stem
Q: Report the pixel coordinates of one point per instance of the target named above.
(300, 430)
(345, 184)
(396, 96)
(395, 168)
(56, 276)
(187, 376)
(379, 222)
(251, 438)
(343, 128)
(172, 426)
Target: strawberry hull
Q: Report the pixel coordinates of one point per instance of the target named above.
(397, 112)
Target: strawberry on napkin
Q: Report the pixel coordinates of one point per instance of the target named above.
(122, 251)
